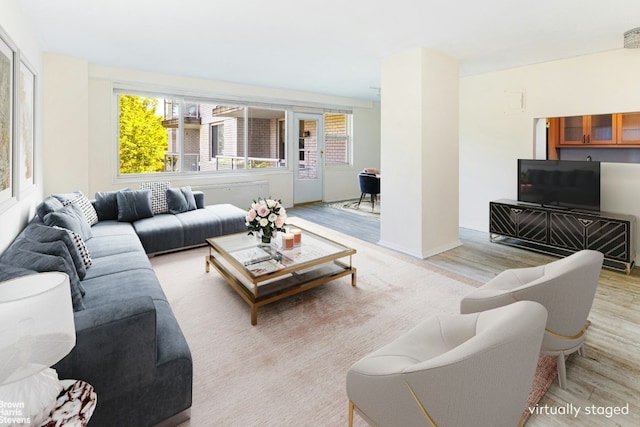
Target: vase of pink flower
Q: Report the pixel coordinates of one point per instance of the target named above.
(266, 217)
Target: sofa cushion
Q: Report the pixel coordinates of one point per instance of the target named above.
(180, 200)
(42, 262)
(48, 205)
(70, 217)
(158, 195)
(116, 263)
(230, 218)
(110, 229)
(161, 233)
(134, 205)
(122, 286)
(43, 233)
(8, 272)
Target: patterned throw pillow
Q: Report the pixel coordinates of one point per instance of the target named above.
(80, 245)
(85, 205)
(158, 195)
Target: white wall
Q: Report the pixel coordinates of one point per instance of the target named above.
(14, 25)
(493, 134)
(340, 182)
(419, 152)
(66, 125)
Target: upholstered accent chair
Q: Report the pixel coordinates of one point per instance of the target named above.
(565, 287)
(369, 184)
(452, 370)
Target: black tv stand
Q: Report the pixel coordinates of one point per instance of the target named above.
(561, 232)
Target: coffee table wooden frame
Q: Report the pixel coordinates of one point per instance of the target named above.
(284, 282)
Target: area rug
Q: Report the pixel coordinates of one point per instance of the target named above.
(546, 373)
(363, 208)
(290, 368)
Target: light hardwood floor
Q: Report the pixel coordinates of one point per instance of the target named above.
(605, 381)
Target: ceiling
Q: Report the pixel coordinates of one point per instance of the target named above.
(332, 46)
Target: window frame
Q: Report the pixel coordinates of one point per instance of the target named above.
(183, 99)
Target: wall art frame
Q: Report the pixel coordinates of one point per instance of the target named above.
(25, 124)
(8, 56)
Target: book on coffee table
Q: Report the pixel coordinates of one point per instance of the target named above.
(251, 255)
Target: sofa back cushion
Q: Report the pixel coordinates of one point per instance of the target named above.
(44, 234)
(41, 257)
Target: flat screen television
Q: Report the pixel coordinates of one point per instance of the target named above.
(566, 184)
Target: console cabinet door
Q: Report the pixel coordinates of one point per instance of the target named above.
(612, 238)
(519, 222)
(502, 220)
(577, 232)
(566, 231)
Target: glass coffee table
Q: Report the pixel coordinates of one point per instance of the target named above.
(262, 274)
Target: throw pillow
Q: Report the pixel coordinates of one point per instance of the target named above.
(180, 200)
(158, 195)
(134, 205)
(176, 201)
(48, 205)
(40, 262)
(106, 204)
(85, 205)
(80, 246)
(42, 233)
(189, 197)
(72, 218)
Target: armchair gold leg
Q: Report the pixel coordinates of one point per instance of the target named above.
(350, 414)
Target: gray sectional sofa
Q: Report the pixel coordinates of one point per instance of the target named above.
(129, 345)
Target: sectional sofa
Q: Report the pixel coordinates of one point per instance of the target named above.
(129, 345)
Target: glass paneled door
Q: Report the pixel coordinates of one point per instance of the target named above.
(309, 157)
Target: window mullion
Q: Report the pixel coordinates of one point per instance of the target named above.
(245, 136)
(181, 134)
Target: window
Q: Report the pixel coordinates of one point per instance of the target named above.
(176, 134)
(143, 140)
(337, 138)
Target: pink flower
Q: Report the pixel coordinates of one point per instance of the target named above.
(280, 222)
(251, 215)
(263, 211)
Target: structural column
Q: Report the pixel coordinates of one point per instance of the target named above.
(419, 153)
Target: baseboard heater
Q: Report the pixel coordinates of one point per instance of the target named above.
(240, 194)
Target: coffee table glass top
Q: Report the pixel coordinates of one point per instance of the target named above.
(248, 254)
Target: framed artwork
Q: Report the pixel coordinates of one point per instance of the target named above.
(25, 158)
(7, 57)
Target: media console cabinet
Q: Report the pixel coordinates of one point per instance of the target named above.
(562, 232)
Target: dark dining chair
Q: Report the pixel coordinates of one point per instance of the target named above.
(369, 184)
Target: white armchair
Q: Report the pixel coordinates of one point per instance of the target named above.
(565, 287)
(452, 370)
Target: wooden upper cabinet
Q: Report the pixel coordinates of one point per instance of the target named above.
(587, 130)
(628, 125)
